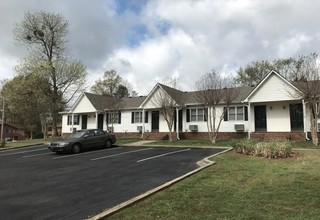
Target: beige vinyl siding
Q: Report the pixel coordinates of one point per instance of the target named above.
(273, 89)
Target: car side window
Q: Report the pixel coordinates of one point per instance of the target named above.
(98, 132)
(90, 133)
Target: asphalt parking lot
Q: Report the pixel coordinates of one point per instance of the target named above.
(38, 184)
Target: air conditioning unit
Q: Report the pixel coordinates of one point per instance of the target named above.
(239, 127)
(193, 127)
(139, 128)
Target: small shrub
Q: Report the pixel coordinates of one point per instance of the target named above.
(2, 143)
(245, 146)
(273, 149)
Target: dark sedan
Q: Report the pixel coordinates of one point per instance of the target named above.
(83, 139)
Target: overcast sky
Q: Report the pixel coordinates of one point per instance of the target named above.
(148, 40)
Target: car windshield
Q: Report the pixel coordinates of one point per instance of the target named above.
(77, 134)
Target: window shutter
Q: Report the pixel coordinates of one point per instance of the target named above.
(225, 110)
(119, 118)
(146, 117)
(188, 115)
(107, 117)
(69, 120)
(245, 113)
(132, 117)
(206, 114)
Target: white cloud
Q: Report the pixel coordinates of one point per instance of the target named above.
(293, 44)
(183, 38)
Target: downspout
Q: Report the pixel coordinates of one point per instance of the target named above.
(304, 119)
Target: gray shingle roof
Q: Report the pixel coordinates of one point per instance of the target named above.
(100, 102)
(188, 98)
(132, 102)
(175, 94)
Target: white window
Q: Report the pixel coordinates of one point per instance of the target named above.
(236, 113)
(114, 117)
(197, 114)
(76, 120)
(137, 117)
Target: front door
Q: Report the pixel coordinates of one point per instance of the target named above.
(100, 121)
(296, 117)
(155, 121)
(260, 118)
(84, 121)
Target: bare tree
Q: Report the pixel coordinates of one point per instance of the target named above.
(309, 86)
(113, 113)
(45, 35)
(46, 120)
(108, 84)
(213, 94)
(168, 99)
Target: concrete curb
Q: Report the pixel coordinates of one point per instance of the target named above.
(204, 163)
(10, 148)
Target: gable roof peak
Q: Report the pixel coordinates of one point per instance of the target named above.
(272, 72)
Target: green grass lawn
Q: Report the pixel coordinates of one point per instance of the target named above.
(240, 187)
(24, 143)
(127, 140)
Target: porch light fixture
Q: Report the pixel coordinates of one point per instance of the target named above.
(270, 107)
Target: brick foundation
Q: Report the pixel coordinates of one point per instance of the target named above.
(182, 135)
(297, 136)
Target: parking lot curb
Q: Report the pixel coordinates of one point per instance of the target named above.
(29, 145)
(204, 163)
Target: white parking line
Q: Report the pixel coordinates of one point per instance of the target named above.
(22, 152)
(162, 155)
(114, 155)
(89, 152)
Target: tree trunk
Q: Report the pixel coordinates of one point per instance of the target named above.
(170, 136)
(313, 123)
(214, 137)
(314, 132)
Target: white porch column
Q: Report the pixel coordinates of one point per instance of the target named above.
(143, 123)
(96, 119)
(72, 122)
(177, 123)
(304, 109)
(249, 120)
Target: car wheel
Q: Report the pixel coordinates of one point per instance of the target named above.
(76, 148)
(108, 144)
